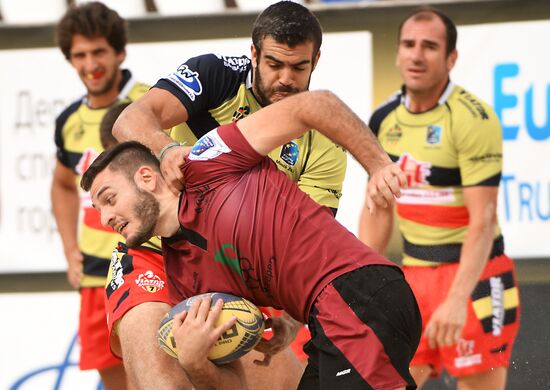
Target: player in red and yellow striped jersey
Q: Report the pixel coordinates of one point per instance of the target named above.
(449, 144)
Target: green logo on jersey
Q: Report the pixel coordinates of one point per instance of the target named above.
(233, 263)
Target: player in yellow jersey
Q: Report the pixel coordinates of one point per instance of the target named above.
(92, 38)
(449, 144)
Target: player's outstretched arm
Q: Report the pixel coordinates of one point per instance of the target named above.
(144, 121)
(322, 110)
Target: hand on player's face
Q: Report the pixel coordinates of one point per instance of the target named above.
(384, 185)
(196, 332)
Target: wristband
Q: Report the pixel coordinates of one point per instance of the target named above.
(168, 146)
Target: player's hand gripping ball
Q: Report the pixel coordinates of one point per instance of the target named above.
(235, 342)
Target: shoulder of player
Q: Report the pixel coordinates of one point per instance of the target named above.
(383, 110)
(220, 63)
(67, 112)
(465, 106)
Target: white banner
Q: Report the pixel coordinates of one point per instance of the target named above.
(507, 65)
(40, 350)
(37, 84)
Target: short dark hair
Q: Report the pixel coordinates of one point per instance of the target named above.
(91, 20)
(125, 157)
(428, 13)
(107, 122)
(289, 23)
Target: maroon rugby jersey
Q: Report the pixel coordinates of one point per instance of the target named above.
(251, 231)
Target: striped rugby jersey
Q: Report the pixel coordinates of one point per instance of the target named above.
(456, 144)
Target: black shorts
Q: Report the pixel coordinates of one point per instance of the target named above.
(365, 328)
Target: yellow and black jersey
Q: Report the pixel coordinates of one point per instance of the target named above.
(217, 90)
(78, 144)
(456, 144)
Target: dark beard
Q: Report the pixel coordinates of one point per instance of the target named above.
(148, 210)
(260, 89)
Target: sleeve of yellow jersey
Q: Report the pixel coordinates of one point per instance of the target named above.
(324, 171)
(479, 147)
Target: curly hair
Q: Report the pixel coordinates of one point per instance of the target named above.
(93, 19)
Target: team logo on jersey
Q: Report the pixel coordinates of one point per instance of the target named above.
(417, 172)
(187, 80)
(208, 147)
(289, 153)
(394, 134)
(433, 134)
(150, 282)
(241, 112)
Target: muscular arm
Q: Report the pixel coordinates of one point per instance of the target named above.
(66, 207)
(145, 119)
(291, 117)
(448, 320)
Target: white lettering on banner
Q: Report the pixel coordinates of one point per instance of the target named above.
(31, 114)
(513, 77)
(525, 201)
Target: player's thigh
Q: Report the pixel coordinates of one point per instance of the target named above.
(493, 379)
(365, 327)
(284, 371)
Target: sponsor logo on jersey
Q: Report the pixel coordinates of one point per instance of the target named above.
(229, 256)
(433, 134)
(394, 134)
(289, 153)
(150, 282)
(187, 80)
(466, 356)
(473, 102)
(117, 271)
(238, 64)
(487, 158)
(416, 172)
(208, 147)
(241, 112)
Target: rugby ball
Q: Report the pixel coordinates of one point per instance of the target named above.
(235, 342)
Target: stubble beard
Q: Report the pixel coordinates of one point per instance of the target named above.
(147, 209)
(260, 88)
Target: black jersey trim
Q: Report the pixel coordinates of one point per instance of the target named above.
(95, 266)
(441, 176)
(493, 181)
(446, 253)
(61, 153)
(382, 112)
